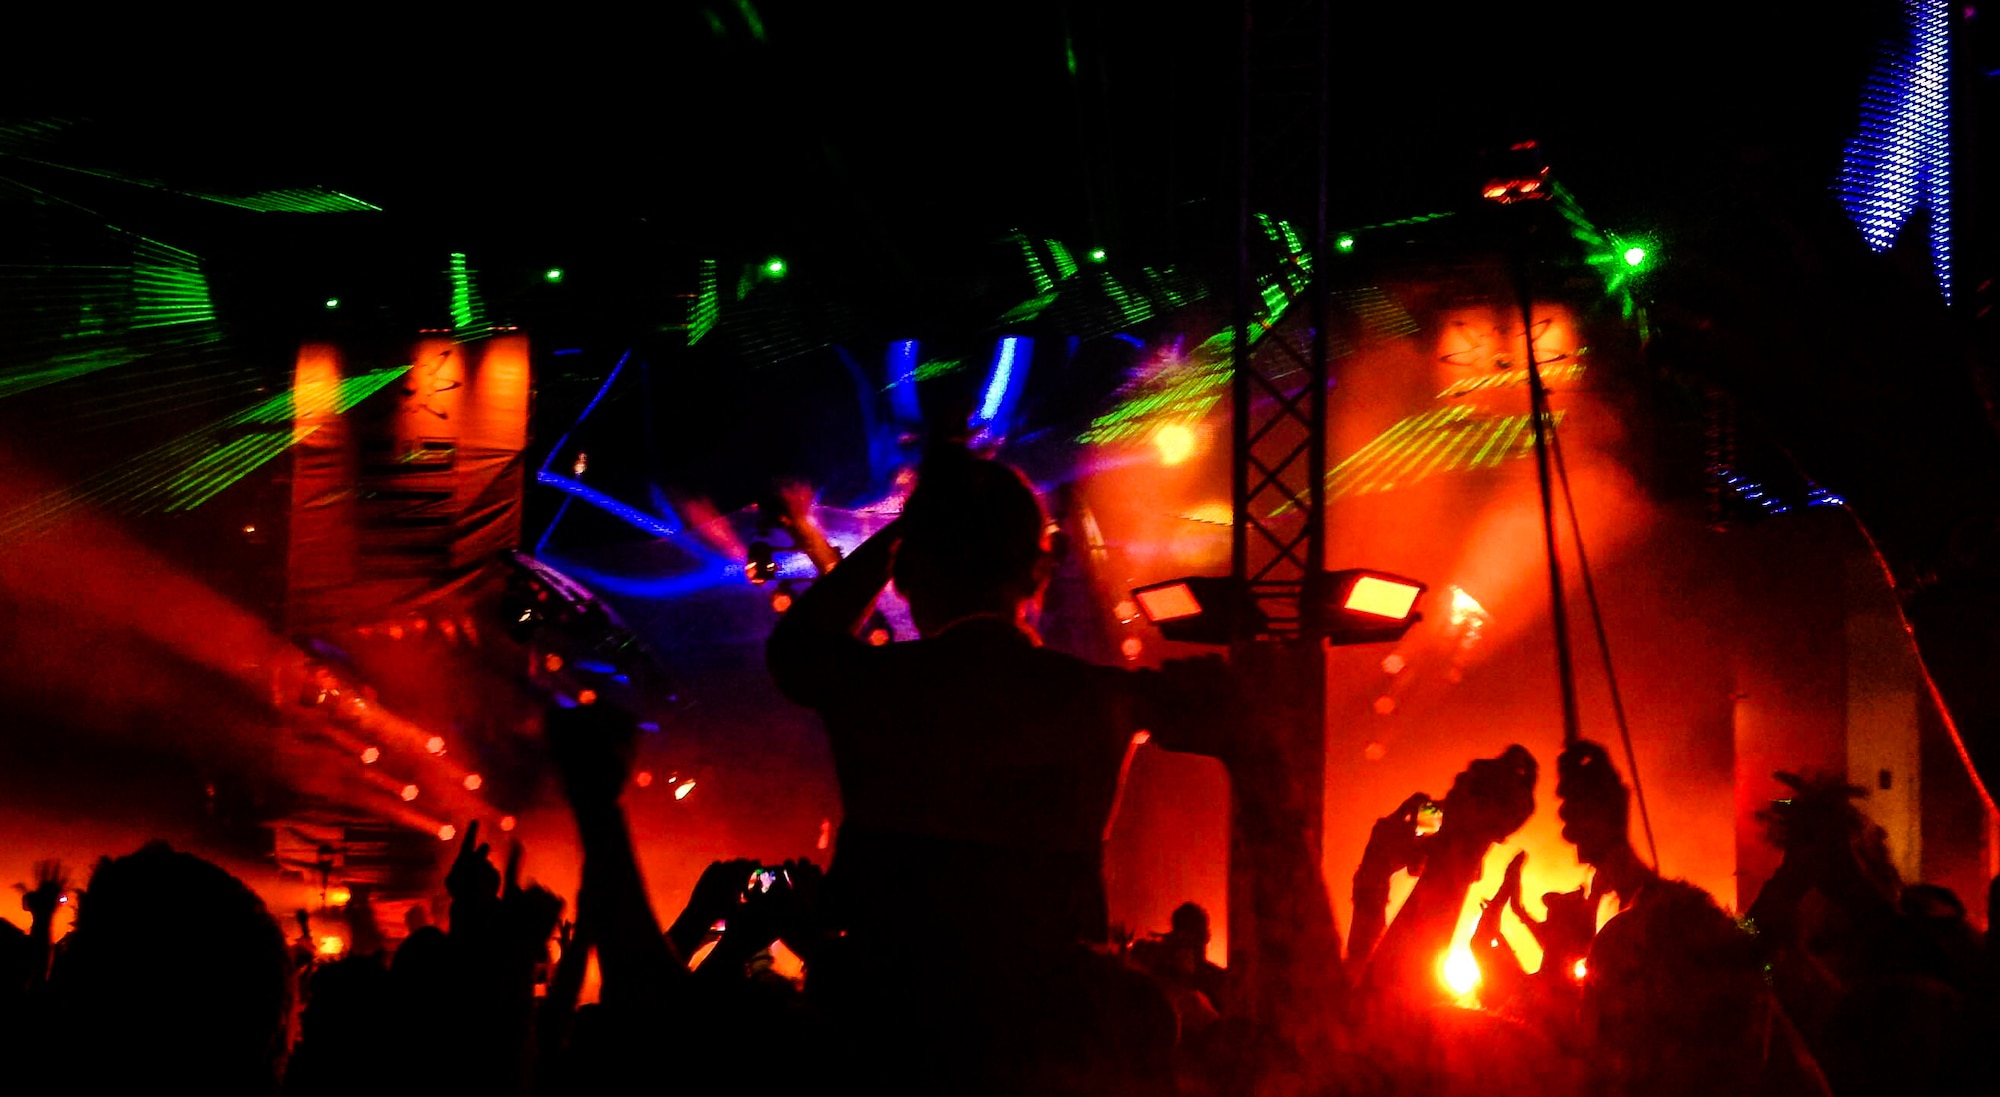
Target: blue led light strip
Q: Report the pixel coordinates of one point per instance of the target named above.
(631, 515)
(592, 406)
(1900, 159)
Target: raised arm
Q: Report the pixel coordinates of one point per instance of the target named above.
(811, 651)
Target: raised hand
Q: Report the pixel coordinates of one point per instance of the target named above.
(592, 747)
(1393, 843)
(717, 894)
(49, 890)
(472, 877)
(1565, 935)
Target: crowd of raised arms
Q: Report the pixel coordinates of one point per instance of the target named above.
(959, 943)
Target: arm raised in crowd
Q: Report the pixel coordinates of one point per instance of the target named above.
(1487, 802)
(592, 751)
(812, 651)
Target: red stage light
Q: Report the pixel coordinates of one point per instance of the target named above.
(552, 662)
(409, 792)
(586, 697)
(1131, 647)
(1170, 602)
(434, 744)
(506, 822)
(681, 793)
(370, 756)
(1382, 597)
(447, 832)
(473, 781)
(643, 778)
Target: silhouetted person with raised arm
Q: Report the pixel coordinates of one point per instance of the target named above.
(977, 768)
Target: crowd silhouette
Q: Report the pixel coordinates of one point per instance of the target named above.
(958, 942)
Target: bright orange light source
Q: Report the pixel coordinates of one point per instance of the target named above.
(506, 822)
(1141, 738)
(370, 756)
(1125, 610)
(681, 793)
(330, 946)
(395, 632)
(1459, 971)
(435, 744)
(339, 895)
(1175, 442)
(1382, 597)
(586, 697)
(473, 781)
(447, 832)
(552, 662)
(643, 778)
(879, 637)
(1168, 603)
(781, 601)
(409, 792)
(1131, 646)
(1579, 971)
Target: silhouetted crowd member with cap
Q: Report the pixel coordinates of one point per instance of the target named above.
(978, 772)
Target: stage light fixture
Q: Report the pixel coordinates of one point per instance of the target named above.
(370, 756)
(784, 596)
(775, 267)
(473, 781)
(878, 632)
(553, 275)
(1199, 609)
(762, 564)
(447, 832)
(333, 302)
(1370, 606)
(681, 793)
(409, 792)
(1344, 244)
(1363, 607)
(507, 822)
(1097, 255)
(1635, 256)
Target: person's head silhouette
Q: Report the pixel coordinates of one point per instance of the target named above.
(179, 967)
(974, 541)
